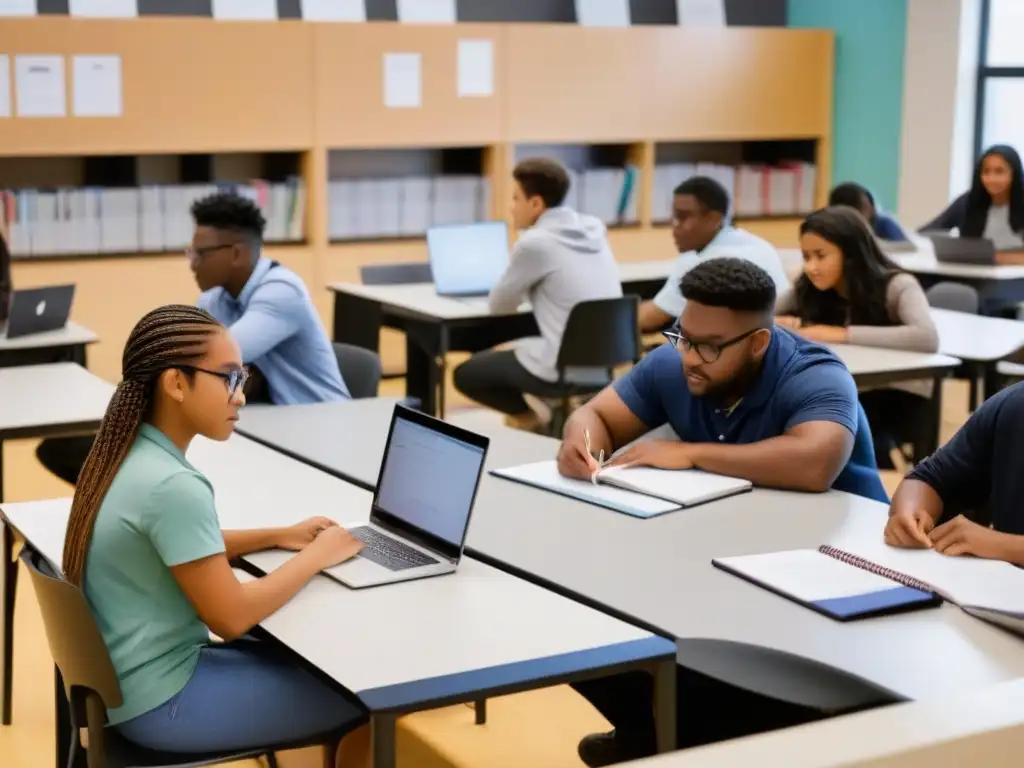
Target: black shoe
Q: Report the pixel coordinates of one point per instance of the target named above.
(599, 749)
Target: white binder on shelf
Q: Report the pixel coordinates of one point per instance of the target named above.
(44, 224)
(151, 219)
(119, 223)
(416, 205)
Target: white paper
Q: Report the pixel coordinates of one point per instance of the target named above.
(258, 10)
(403, 86)
(96, 86)
(39, 86)
(334, 10)
(701, 13)
(5, 86)
(602, 13)
(105, 9)
(18, 8)
(476, 68)
(426, 11)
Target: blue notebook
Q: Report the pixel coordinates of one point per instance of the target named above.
(827, 581)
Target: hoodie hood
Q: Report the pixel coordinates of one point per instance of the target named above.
(576, 231)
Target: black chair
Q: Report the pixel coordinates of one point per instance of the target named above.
(602, 335)
(360, 368)
(91, 685)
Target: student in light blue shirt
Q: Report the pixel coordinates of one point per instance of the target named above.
(144, 543)
(264, 304)
(700, 229)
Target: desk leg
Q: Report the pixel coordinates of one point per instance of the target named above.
(990, 381)
(382, 734)
(929, 442)
(665, 704)
(10, 568)
(440, 369)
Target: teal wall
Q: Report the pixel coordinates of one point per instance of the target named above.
(868, 107)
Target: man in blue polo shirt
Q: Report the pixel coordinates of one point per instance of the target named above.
(748, 400)
(265, 305)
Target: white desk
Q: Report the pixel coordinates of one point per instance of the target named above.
(405, 647)
(70, 335)
(659, 571)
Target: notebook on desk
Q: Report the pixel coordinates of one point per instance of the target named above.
(834, 580)
(637, 491)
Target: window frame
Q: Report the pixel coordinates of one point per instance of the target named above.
(985, 74)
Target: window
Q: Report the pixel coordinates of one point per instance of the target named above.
(1000, 94)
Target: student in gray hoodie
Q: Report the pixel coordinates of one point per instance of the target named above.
(561, 258)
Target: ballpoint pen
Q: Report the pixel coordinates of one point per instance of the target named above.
(590, 452)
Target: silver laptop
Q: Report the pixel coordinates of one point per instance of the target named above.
(425, 492)
(37, 310)
(963, 250)
(466, 260)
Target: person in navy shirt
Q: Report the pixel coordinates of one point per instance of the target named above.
(265, 305)
(749, 400)
(853, 195)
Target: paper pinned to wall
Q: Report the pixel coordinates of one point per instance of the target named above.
(105, 9)
(245, 10)
(39, 86)
(18, 8)
(701, 13)
(96, 86)
(602, 13)
(5, 86)
(476, 68)
(403, 81)
(334, 10)
(426, 11)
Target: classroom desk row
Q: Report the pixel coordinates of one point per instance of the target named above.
(478, 634)
(657, 573)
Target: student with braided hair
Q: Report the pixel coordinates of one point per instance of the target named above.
(144, 542)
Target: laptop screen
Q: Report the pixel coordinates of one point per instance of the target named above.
(428, 481)
(469, 258)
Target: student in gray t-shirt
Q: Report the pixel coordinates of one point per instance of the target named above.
(561, 259)
(993, 208)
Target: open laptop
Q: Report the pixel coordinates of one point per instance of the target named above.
(467, 259)
(963, 250)
(37, 310)
(425, 492)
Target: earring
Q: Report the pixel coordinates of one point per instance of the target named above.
(179, 397)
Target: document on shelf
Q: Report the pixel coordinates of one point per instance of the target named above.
(426, 11)
(105, 9)
(18, 8)
(39, 86)
(334, 10)
(701, 13)
(245, 10)
(96, 86)
(403, 82)
(5, 86)
(475, 68)
(602, 13)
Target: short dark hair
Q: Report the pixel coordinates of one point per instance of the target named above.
(735, 284)
(709, 193)
(850, 194)
(231, 212)
(544, 178)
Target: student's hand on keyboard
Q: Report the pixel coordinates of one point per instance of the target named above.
(334, 545)
(662, 454)
(298, 536)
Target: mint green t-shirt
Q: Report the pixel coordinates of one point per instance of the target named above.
(159, 512)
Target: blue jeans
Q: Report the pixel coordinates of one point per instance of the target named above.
(242, 696)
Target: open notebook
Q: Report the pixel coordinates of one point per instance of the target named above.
(636, 491)
(874, 578)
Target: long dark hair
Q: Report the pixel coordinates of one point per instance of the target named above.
(979, 200)
(165, 338)
(866, 271)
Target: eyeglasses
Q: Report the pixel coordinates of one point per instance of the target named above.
(235, 380)
(194, 254)
(707, 351)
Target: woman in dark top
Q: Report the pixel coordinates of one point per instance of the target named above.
(855, 196)
(993, 208)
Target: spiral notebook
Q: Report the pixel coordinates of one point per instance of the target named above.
(869, 578)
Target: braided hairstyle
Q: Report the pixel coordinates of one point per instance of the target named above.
(167, 337)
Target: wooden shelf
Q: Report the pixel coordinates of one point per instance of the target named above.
(275, 247)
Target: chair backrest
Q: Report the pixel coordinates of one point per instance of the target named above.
(604, 333)
(396, 274)
(360, 368)
(954, 296)
(75, 641)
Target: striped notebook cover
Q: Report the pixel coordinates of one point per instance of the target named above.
(880, 570)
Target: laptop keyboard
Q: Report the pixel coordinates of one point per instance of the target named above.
(389, 552)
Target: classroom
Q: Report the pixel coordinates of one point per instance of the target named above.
(501, 383)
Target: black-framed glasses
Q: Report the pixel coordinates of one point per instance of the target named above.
(235, 380)
(195, 254)
(707, 351)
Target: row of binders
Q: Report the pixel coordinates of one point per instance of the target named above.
(94, 221)
(786, 189)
